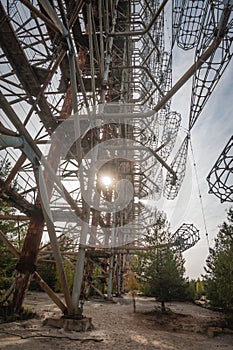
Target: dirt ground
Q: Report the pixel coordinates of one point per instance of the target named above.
(117, 327)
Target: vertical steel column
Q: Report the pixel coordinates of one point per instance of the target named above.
(100, 8)
(91, 51)
(73, 76)
(123, 268)
(119, 274)
(110, 45)
(72, 59)
(26, 265)
(37, 277)
(110, 278)
(54, 243)
(78, 276)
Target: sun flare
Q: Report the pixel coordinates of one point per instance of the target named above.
(106, 180)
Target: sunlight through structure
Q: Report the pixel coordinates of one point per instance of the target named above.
(88, 136)
(106, 180)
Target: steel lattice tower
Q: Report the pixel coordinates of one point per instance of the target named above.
(86, 92)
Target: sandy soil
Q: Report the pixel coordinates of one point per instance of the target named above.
(116, 326)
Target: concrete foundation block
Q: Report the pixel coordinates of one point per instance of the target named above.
(70, 324)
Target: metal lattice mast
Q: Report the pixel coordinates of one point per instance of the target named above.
(109, 66)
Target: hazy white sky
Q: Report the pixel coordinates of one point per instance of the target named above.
(209, 136)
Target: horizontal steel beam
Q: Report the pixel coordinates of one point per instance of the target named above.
(148, 27)
(10, 141)
(14, 217)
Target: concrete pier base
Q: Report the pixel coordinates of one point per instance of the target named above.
(70, 324)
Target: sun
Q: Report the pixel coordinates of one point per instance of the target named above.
(106, 180)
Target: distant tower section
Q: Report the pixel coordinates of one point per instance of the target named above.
(220, 178)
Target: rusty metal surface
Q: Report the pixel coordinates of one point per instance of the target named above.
(110, 64)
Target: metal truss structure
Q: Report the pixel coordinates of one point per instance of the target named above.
(220, 176)
(87, 125)
(185, 237)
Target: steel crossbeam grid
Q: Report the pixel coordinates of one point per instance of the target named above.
(72, 56)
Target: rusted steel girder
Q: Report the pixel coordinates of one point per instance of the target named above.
(31, 245)
(28, 258)
(26, 265)
(36, 276)
(15, 170)
(14, 217)
(12, 197)
(25, 72)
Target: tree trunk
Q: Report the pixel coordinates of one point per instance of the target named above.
(163, 306)
(134, 303)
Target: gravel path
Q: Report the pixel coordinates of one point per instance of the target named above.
(117, 327)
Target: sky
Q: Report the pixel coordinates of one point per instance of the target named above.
(209, 136)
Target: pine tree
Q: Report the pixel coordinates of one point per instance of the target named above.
(219, 267)
(160, 269)
(14, 232)
(7, 260)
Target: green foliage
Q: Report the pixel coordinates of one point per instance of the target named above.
(219, 267)
(99, 280)
(195, 289)
(159, 269)
(199, 288)
(7, 313)
(191, 290)
(47, 271)
(7, 260)
(69, 271)
(14, 232)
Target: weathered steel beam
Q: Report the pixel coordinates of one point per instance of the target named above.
(14, 217)
(188, 74)
(12, 197)
(75, 13)
(24, 71)
(28, 256)
(219, 35)
(54, 243)
(40, 15)
(148, 27)
(37, 153)
(147, 72)
(9, 245)
(37, 277)
(10, 141)
(6, 131)
(15, 170)
(53, 15)
(26, 265)
(53, 296)
(97, 290)
(27, 262)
